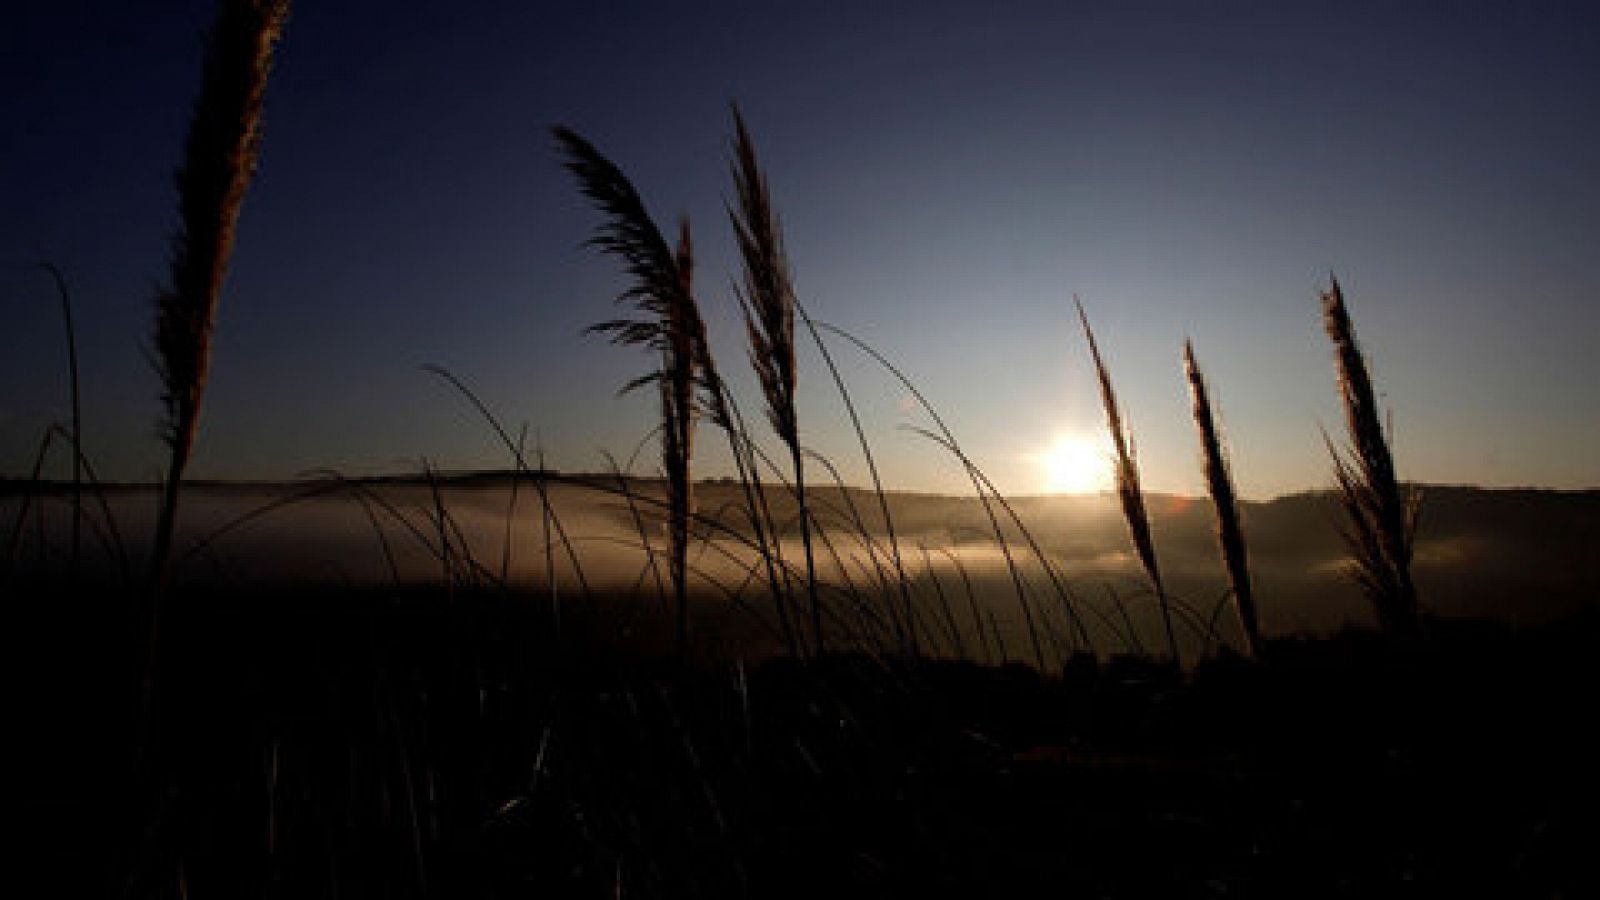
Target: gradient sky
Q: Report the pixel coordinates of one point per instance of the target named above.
(949, 175)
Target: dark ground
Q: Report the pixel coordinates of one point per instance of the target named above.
(374, 744)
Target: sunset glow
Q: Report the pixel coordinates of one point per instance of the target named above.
(1074, 465)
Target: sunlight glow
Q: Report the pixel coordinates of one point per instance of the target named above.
(1074, 465)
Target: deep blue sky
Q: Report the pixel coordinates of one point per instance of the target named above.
(949, 174)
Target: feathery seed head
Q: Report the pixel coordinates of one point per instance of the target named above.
(220, 155)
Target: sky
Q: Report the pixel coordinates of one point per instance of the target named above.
(949, 176)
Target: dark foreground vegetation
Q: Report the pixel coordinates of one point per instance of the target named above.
(344, 743)
(467, 740)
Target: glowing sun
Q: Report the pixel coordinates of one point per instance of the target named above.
(1074, 465)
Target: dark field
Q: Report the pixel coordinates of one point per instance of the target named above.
(394, 742)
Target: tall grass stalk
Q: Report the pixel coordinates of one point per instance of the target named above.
(77, 411)
(678, 361)
(1380, 516)
(1219, 484)
(661, 289)
(1126, 470)
(629, 233)
(220, 155)
(767, 298)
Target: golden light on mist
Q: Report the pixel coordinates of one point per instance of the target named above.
(1074, 465)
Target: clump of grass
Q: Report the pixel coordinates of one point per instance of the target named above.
(767, 297)
(662, 289)
(1126, 470)
(220, 154)
(632, 235)
(1380, 516)
(1219, 484)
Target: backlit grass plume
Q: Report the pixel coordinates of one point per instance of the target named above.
(661, 289)
(220, 156)
(1380, 516)
(1219, 484)
(767, 297)
(678, 360)
(1126, 470)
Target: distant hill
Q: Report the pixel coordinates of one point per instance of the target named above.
(1517, 554)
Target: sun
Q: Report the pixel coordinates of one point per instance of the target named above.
(1074, 465)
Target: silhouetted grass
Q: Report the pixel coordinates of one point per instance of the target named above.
(1380, 517)
(460, 738)
(662, 289)
(947, 439)
(405, 743)
(1219, 484)
(767, 298)
(220, 156)
(62, 291)
(1126, 472)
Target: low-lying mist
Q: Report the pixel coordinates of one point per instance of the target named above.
(1516, 555)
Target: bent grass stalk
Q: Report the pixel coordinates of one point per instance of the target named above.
(878, 491)
(538, 476)
(819, 532)
(446, 553)
(957, 645)
(651, 565)
(523, 467)
(874, 552)
(15, 539)
(949, 441)
(115, 547)
(511, 514)
(104, 530)
(712, 524)
(377, 527)
(984, 487)
(981, 480)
